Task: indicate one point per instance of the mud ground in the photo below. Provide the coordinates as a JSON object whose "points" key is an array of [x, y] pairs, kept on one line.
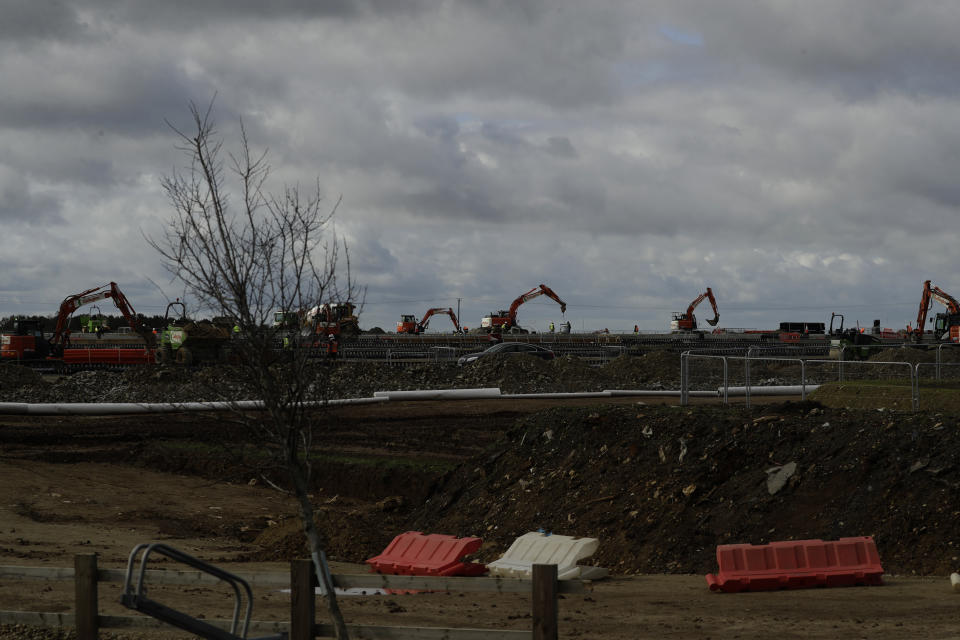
{"points": [[660, 486]]}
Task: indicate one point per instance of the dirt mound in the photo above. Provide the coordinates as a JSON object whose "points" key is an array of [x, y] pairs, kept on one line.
{"points": [[512, 374], [661, 487]]}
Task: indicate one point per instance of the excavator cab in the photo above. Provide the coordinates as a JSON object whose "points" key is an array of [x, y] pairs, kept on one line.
{"points": [[407, 324], [26, 343]]}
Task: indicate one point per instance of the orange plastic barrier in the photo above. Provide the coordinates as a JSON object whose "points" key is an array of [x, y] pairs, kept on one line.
{"points": [[797, 564], [107, 356], [416, 554]]}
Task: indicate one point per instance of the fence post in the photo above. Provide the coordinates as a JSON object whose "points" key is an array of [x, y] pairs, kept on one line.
{"points": [[302, 600], [726, 382], [803, 379], [746, 376], [684, 373], [545, 614], [915, 386], [85, 588]]}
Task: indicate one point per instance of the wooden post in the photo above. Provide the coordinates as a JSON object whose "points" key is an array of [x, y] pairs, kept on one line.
{"points": [[545, 612], [85, 587], [302, 600]]}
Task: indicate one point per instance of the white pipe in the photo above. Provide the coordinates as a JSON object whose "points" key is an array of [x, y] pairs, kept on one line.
{"points": [[581, 394], [440, 394], [788, 390], [662, 393], [114, 408]]}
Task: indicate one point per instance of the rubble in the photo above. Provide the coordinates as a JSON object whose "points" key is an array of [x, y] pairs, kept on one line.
{"points": [[521, 374]]}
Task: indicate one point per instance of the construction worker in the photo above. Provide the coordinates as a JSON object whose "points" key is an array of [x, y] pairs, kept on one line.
{"points": [[331, 346], [551, 326], [636, 329]]}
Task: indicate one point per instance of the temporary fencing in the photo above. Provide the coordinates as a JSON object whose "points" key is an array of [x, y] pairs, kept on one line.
{"points": [[875, 384], [797, 564]]}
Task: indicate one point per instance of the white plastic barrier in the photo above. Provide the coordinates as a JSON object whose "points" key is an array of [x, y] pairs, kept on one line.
{"points": [[544, 548]]}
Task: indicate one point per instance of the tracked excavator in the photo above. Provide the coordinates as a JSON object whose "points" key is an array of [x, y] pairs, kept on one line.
{"points": [[29, 342], [335, 319], [187, 342], [506, 320], [409, 324], [946, 326], [686, 321]]}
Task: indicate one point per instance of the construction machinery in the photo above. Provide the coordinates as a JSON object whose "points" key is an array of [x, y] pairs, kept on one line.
{"points": [[853, 343], [946, 326], [186, 342], [29, 342], [506, 320], [334, 319], [409, 323], [26, 343], [686, 321]]}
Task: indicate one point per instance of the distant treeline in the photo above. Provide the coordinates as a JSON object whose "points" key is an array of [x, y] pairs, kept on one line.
{"points": [[78, 321]]}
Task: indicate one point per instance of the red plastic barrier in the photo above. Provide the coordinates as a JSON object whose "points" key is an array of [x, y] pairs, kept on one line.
{"points": [[107, 356], [797, 564], [416, 554]]}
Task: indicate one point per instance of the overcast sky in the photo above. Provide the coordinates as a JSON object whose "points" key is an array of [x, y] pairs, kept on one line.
{"points": [[799, 158]]}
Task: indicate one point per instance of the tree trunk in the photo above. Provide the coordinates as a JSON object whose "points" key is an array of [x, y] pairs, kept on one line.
{"points": [[316, 551]]}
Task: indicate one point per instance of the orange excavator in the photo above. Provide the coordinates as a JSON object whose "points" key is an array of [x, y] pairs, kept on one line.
{"points": [[504, 320], [945, 325], [686, 321], [409, 324], [30, 343]]}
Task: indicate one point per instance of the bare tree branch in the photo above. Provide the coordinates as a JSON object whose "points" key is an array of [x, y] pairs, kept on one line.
{"points": [[245, 257]]}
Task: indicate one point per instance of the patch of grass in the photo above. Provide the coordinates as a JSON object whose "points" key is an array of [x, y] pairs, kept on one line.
{"points": [[889, 394]]}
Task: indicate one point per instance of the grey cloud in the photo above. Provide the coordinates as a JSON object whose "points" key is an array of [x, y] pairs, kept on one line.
{"points": [[189, 15], [560, 146], [18, 203], [455, 201], [29, 20]]}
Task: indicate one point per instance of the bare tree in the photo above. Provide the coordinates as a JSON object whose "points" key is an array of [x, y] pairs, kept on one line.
{"points": [[245, 253]]}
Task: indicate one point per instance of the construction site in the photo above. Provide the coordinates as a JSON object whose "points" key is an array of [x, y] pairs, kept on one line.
{"points": [[71, 343], [663, 447]]}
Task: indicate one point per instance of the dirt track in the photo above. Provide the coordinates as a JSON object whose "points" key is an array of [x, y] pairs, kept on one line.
{"points": [[102, 485]]}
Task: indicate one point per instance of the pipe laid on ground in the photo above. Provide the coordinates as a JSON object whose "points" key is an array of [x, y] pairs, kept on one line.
{"points": [[665, 393], [786, 390], [440, 394], [117, 408], [546, 396]]}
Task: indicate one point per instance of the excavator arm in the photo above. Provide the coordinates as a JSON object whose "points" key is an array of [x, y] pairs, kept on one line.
{"points": [[931, 293], [708, 295], [542, 290], [74, 302], [425, 320]]}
